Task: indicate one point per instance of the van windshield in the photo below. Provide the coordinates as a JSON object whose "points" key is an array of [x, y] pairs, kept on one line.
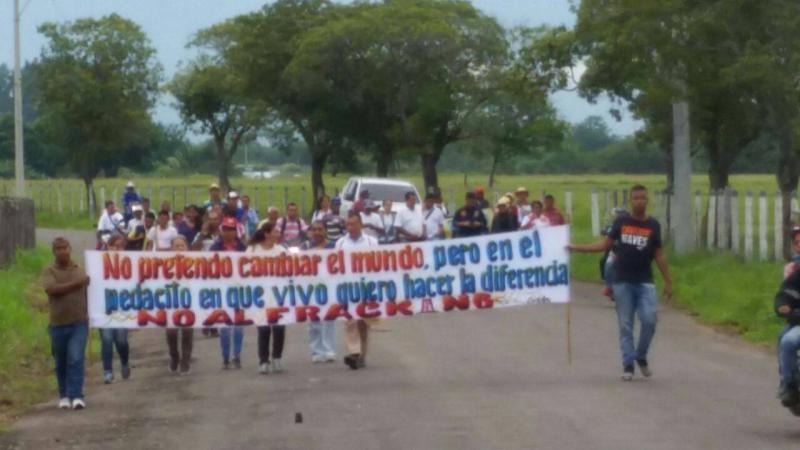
{"points": [[380, 192]]}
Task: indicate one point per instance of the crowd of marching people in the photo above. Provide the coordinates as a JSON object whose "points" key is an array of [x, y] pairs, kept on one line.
{"points": [[232, 224]]}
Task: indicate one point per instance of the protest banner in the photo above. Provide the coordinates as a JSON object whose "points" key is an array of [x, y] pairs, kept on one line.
{"points": [[208, 289]]}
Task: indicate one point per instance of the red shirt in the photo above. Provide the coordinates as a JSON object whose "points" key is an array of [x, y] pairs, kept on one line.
{"points": [[554, 216]]}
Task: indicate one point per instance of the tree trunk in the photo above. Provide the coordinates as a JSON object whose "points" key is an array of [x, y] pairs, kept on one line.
{"points": [[429, 174], [318, 160], [493, 170], [222, 164], [91, 199], [382, 165], [682, 159]]}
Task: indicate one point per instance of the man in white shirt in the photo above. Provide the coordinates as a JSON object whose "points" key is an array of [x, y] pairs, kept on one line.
{"points": [[409, 222], [434, 219], [136, 231], [371, 221], [356, 331], [160, 237], [111, 222]]}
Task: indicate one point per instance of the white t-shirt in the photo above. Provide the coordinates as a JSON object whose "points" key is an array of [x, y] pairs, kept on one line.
{"points": [[162, 239], [276, 250], [411, 221], [111, 223], [374, 220], [434, 219], [364, 241], [530, 222]]}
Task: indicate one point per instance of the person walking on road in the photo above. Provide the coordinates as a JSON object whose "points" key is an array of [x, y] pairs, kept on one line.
{"points": [[322, 334], [356, 330], [65, 284], [787, 306], [638, 238], [115, 337], [229, 242], [266, 243], [180, 341]]}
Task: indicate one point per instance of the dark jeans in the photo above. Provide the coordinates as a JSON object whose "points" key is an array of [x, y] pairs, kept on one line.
{"points": [[110, 338], [277, 344], [68, 344], [187, 342]]}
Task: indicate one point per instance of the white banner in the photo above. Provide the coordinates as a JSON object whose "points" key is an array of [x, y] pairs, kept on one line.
{"points": [[208, 289]]}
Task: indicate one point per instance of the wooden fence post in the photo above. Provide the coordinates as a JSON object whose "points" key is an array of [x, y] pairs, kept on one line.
{"points": [[734, 221], [616, 199], [763, 251], [723, 217], [748, 226], [605, 206], [698, 217], [568, 205], [711, 219], [625, 198], [595, 213], [778, 226], [60, 200], [452, 194], [103, 196]]}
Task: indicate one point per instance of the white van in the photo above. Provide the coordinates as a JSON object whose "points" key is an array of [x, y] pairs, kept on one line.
{"points": [[380, 189]]}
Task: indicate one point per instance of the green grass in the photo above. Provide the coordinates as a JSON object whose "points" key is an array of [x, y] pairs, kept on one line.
{"points": [[25, 376]]}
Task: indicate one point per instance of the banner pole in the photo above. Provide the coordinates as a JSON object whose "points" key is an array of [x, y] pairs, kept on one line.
{"points": [[569, 334]]}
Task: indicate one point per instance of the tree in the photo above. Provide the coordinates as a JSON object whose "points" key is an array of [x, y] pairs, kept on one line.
{"points": [[404, 74], [258, 47], [210, 96], [99, 78], [592, 134]]}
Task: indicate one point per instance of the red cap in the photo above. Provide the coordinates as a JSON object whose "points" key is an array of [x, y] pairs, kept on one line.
{"points": [[229, 222], [479, 190]]}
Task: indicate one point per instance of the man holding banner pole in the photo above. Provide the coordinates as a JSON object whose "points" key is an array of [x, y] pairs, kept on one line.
{"points": [[639, 244], [356, 331]]}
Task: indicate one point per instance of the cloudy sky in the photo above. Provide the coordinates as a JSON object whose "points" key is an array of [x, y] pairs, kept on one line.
{"points": [[170, 23]]}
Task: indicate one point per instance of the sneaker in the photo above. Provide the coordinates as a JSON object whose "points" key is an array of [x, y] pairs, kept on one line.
{"points": [[108, 377], [789, 395], [608, 292], [126, 372], [627, 373], [237, 363], [185, 371], [78, 404], [184, 368], [277, 366], [263, 368], [351, 361], [226, 365], [362, 362], [317, 359], [173, 366], [330, 357], [644, 368], [64, 403]]}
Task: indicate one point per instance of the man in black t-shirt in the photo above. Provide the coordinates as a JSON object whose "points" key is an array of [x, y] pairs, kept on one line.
{"points": [[469, 221], [638, 244]]}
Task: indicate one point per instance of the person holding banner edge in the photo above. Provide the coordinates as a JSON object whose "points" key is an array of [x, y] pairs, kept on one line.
{"points": [[115, 337], [65, 284], [638, 238], [322, 334]]}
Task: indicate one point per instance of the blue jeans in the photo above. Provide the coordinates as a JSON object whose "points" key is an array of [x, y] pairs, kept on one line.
{"points": [[635, 299], [225, 342], [68, 344], [787, 354], [322, 337], [110, 338]]}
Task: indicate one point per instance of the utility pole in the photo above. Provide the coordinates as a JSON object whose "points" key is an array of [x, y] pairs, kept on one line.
{"points": [[19, 165], [682, 160]]}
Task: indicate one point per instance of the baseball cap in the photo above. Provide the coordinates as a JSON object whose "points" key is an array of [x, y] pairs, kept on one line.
{"points": [[229, 222], [233, 194], [130, 184], [479, 190], [213, 186], [136, 207]]}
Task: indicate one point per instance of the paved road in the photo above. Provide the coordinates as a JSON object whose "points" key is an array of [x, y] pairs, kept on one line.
{"points": [[477, 380]]}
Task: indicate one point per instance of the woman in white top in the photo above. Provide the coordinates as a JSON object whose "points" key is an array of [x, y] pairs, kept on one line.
{"points": [[323, 209], [535, 219], [265, 241]]}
